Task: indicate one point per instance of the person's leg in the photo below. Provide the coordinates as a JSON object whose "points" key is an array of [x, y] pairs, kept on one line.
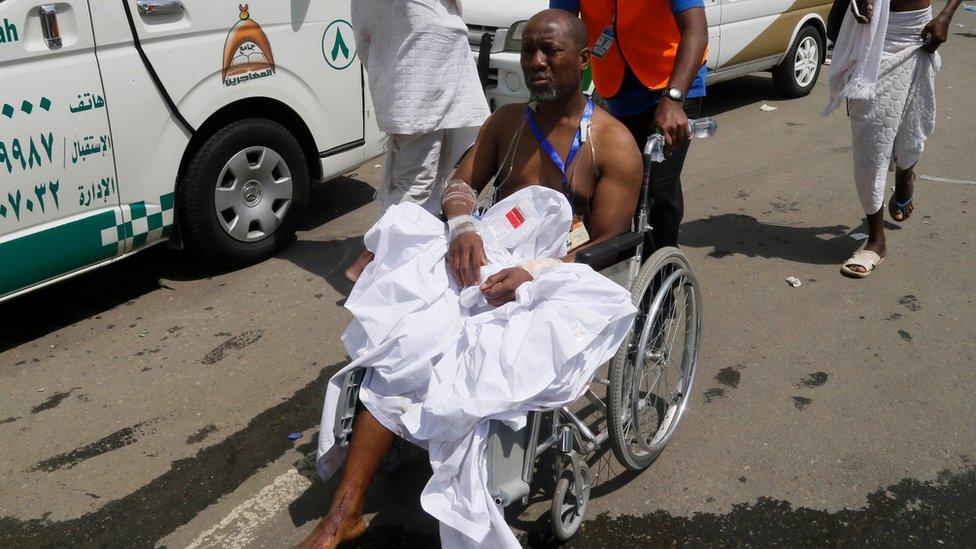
{"points": [[386, 194], [903, 199], [370, 443], [872, 137]]}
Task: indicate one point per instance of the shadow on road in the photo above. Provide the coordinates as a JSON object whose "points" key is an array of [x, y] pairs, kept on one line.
{"points": [[733, 94], [49, 309], [730, 234]]}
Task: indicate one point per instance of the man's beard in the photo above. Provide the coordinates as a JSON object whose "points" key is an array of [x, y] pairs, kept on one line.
{"points": [[550, 93]]}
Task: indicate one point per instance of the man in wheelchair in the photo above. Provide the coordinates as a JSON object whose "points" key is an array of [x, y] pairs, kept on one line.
{"points": [[486, 317]]}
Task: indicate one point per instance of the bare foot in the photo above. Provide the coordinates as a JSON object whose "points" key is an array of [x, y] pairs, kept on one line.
{"points": [[332, 530], [358, 266], [901, 204]]}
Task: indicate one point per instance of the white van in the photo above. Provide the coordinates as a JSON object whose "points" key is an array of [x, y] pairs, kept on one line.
{"points": [[744, 36], [127, 123]]}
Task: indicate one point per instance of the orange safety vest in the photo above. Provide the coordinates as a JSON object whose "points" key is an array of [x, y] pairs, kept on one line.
{"points": [[646, 40]]}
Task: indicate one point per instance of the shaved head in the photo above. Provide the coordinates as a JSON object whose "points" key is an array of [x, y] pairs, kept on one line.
{"points": [[554, 55], [568, 25]]}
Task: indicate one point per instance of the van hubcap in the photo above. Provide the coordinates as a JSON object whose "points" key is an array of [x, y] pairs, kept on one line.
{"points": [[253, 194], [806, 62]]}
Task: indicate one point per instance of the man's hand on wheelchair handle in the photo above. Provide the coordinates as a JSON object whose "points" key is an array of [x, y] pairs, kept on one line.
{"points": [[671, 119], [466, 256], [500, 287]]}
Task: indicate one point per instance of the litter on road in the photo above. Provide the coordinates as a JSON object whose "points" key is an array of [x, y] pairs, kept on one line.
{"points": [[295, 436], [793, 281], [859, 236], [767, 108]]}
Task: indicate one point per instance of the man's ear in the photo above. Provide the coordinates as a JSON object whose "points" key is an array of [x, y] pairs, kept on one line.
{"points": [[584, 58]]}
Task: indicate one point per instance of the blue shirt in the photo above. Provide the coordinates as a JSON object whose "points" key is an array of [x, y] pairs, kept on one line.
{"points": [[633, 97]]}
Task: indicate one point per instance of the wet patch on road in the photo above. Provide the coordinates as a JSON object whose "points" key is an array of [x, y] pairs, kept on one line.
{"points": [[713, 393], [53, 401], [191, 485], [234, 343], [801, 403], [911, 512], [728, 376], [910, 302], [905, 335], [8, 420], [895, 316], [814, 380], [118, 439], [202, 434]]}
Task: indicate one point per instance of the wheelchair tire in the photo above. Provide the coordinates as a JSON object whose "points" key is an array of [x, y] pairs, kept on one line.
{"points": [[653, 337], [567, 510]]}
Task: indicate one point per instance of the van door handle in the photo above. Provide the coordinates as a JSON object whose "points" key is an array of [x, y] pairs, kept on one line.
{"points": [[159, 7], [49, 25]]}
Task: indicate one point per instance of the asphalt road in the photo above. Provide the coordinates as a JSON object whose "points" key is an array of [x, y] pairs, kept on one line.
{"points": [[149, 403]]}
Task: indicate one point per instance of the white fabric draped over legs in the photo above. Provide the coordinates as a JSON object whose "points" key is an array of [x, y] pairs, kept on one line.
{"points": [[441, 362], [892, 126]]}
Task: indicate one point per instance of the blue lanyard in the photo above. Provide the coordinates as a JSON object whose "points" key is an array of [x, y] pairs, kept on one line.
{"points": [[573, 150]]}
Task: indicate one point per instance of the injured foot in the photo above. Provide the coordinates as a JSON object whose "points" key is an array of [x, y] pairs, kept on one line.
{"points": [[337, 527], [901, 204], [358, 266]]}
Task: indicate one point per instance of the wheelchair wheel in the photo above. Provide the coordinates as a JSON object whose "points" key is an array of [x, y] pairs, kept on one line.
{"points": [[569, 505], [652, 374]]}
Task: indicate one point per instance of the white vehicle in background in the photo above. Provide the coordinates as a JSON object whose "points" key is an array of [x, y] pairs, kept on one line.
{"points": [[786, 37], [126, 123]]}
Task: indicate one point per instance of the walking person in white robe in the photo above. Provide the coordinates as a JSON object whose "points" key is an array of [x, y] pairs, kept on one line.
{"points": [[426, 95], [478, 319], [884, 65]]}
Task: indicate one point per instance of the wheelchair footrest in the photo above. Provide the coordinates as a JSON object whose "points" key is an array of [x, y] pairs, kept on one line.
{"points": [[348, 403], [506, 454]]}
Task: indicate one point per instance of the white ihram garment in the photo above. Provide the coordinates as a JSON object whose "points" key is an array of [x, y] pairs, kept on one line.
{"points": [[422, 77], [442, 362], [893, 125]]}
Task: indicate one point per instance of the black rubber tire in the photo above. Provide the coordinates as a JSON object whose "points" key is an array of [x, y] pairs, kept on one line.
{"points": [[784, 77], [616, 390], [202, 232]]}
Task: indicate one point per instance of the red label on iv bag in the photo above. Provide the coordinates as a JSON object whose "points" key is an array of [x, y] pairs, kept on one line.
{"points": [[515, 218]]}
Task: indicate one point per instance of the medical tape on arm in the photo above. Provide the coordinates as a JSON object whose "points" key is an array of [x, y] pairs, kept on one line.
{"points": [[459, 193], [535, 266], [461, 224]]}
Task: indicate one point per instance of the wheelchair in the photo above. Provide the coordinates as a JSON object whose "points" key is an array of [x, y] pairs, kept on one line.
{"points": [[648, 382]]}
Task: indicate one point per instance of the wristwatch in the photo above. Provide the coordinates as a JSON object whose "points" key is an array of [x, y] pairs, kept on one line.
{"points": [[674, 94]]}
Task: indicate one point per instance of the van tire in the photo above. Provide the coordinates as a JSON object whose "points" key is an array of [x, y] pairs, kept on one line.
{"points": [[785, 76], [203, 231]]}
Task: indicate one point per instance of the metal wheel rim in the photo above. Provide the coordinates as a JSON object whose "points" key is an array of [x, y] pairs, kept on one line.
{"points": [[806, 61], [646, 443], [571, 508], [253, 193]]}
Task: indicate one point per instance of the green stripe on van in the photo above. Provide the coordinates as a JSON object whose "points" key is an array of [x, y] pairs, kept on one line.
{"points": [[54, 252]]}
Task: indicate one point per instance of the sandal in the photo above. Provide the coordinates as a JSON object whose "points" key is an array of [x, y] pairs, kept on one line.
{"points": [[866, 259], [901, 208]]}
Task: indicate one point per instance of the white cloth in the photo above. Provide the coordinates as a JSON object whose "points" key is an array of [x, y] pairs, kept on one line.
{"points": [[442, 362], [893, 125], [422, 76], [418, 166], [857, 56]]}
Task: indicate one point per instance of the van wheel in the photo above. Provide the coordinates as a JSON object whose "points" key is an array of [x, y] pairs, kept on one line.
{"points": [[797, 74], [243, 192]]}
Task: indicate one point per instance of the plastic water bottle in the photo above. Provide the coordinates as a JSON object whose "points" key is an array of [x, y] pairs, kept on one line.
{"points": [[701, 128]]}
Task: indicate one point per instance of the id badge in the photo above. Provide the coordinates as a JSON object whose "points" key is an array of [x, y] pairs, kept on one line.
{"points": [[578, 235], [603, 43]]}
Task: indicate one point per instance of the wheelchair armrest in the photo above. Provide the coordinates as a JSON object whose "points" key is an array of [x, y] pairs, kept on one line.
{"points": [[607, 253]]}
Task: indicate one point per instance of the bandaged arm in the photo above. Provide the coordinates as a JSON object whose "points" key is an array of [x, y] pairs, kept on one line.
{"points": [[458, 205]]}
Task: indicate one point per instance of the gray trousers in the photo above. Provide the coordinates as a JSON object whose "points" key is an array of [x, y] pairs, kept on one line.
{"points": [[418, 165]]}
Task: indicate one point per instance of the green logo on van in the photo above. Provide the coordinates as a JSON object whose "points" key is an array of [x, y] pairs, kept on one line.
{"points": [[339, 44], [8, 32]]}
